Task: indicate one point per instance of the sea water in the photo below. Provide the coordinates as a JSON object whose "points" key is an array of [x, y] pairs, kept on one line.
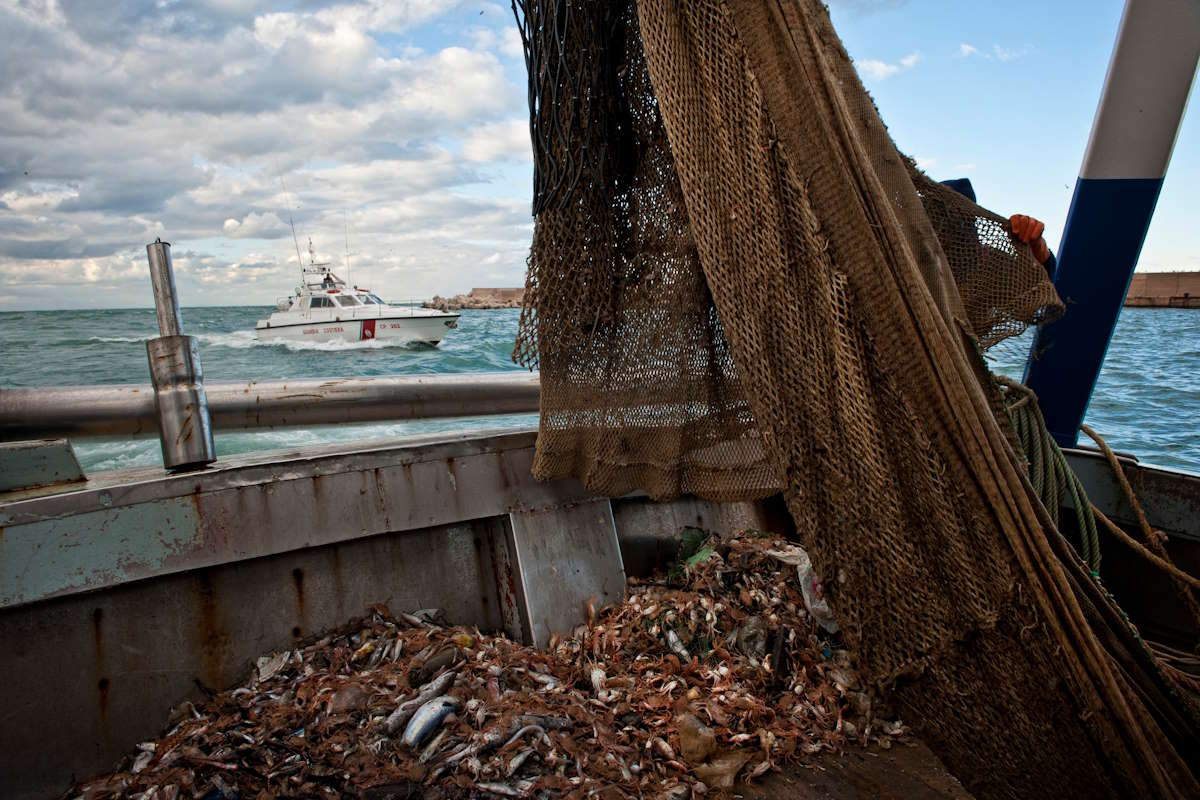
{"points": [[1147, 402]]}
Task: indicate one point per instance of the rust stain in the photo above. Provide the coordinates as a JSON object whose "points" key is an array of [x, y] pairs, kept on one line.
{"points": [[481, 570], [102, 684], [298, 582], [102, 687], [338, 589], [211, 638], [381, 495]]}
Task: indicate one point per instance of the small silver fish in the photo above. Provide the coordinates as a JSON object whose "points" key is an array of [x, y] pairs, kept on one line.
{"points": [[517, 760], [521, 789], [428, 719]]}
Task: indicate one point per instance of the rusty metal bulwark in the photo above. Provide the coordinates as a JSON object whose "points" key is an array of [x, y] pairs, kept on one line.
{"points": [[149, 586]]}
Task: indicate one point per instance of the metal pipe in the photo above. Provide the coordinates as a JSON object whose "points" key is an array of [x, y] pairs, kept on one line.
{"points": [[162, 279], [124, 410], [184, 426]]}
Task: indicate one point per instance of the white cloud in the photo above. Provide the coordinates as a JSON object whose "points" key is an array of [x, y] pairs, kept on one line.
{"points": [[875, 69], [256, 225], [1011, 54], [925, 164], [497, 141], [998, 53], [967, 167], [115, 129]]}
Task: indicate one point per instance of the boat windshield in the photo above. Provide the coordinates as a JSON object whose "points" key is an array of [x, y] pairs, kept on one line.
{"points": [[347, 300], [369, 299], [375, 299], [320, 302]]}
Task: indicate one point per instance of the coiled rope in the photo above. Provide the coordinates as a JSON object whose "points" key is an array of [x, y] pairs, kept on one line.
{"points": [[1053, 479], [1051, 476]]}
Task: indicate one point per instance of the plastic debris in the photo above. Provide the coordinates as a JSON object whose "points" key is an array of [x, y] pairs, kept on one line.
{"points": [[710, 675], [810, 584]]}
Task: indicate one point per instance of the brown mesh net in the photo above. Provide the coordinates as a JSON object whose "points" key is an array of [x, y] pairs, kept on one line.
{"points": [[739, 286], [1003, 289]]}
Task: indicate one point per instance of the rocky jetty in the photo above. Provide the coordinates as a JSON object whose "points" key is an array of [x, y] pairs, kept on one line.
{"points": [[479, 298]]}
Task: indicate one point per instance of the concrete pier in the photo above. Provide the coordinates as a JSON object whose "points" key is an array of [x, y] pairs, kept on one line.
{"points": [[1164, 290]]}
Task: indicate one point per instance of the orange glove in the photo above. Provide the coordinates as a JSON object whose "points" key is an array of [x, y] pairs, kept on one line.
{"points": [[1029, 230]]}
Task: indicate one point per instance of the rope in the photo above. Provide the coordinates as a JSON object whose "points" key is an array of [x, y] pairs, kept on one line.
{"points": [[1155, 540], [1139, 548], [1051, 476]]}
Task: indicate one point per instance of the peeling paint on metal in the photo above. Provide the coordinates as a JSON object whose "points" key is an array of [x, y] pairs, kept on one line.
{"points": [[43, 559]]}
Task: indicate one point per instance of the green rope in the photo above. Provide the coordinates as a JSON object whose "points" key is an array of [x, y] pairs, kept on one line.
{"points": [[1051, 476]]}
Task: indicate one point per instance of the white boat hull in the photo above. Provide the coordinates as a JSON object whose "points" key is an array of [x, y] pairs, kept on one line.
{"points": [[415, 329]]}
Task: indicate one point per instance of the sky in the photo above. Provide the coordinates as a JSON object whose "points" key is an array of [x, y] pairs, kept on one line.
{"points": [[393, 133]]}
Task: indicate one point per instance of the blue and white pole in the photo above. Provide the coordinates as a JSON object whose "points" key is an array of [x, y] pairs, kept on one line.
{"points": [[1145, 92]]}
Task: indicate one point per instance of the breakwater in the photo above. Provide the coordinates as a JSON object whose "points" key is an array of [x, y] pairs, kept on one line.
{"points": [[1164, 290]]}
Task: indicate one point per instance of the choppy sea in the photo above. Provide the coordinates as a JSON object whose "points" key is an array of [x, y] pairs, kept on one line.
{"points": [[1147, 402]]}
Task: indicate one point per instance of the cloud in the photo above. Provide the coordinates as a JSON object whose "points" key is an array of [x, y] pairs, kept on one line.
{"points": [[925, 164], [256, 225], [967, 167], [399, 120], [1011, 54], [998, 53], [879, 70], [495, 141]]}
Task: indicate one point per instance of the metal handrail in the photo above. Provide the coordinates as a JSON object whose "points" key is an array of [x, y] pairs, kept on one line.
{"points": [[123, 410]]}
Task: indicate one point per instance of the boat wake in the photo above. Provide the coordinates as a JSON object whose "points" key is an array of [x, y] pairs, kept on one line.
{"points": [[119, 339], [245, 340]]}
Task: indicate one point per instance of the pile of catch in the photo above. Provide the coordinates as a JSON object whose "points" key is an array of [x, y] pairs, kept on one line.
{"points": [[715, 673]]}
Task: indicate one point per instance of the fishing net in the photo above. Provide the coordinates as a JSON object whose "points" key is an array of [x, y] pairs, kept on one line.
{"points": [[737, 286]]}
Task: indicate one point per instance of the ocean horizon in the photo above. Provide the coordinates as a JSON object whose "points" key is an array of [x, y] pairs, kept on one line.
{"points": [[1146, 402]]}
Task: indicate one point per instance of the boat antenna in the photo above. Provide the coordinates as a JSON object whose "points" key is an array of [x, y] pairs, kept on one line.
{"points": [[346, 223], [295, 241]]}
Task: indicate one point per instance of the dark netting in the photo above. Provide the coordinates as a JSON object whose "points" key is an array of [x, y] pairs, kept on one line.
{"points": [[1003, 288], [643, 388], [737, 286]]}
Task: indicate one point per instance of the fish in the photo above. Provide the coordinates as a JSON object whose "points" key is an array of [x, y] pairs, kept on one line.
{"points": [[521, 789], [397, 719], [428, 719]]}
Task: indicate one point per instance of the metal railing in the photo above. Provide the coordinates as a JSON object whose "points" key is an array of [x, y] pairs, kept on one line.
{"points": [[122, 410], [183, 410]]}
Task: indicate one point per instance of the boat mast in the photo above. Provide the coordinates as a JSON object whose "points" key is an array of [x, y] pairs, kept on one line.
{"points": [[346, 224], [295, 241]]}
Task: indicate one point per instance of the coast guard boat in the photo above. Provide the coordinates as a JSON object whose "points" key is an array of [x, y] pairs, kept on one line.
{"points": [[325, 309]]}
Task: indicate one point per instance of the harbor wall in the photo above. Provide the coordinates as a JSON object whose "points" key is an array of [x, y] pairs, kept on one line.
{"points": [[1164, 290]]}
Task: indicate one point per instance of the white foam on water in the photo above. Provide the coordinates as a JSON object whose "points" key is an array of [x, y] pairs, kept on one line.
{"points": [[245, 340], [119, 339]]}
